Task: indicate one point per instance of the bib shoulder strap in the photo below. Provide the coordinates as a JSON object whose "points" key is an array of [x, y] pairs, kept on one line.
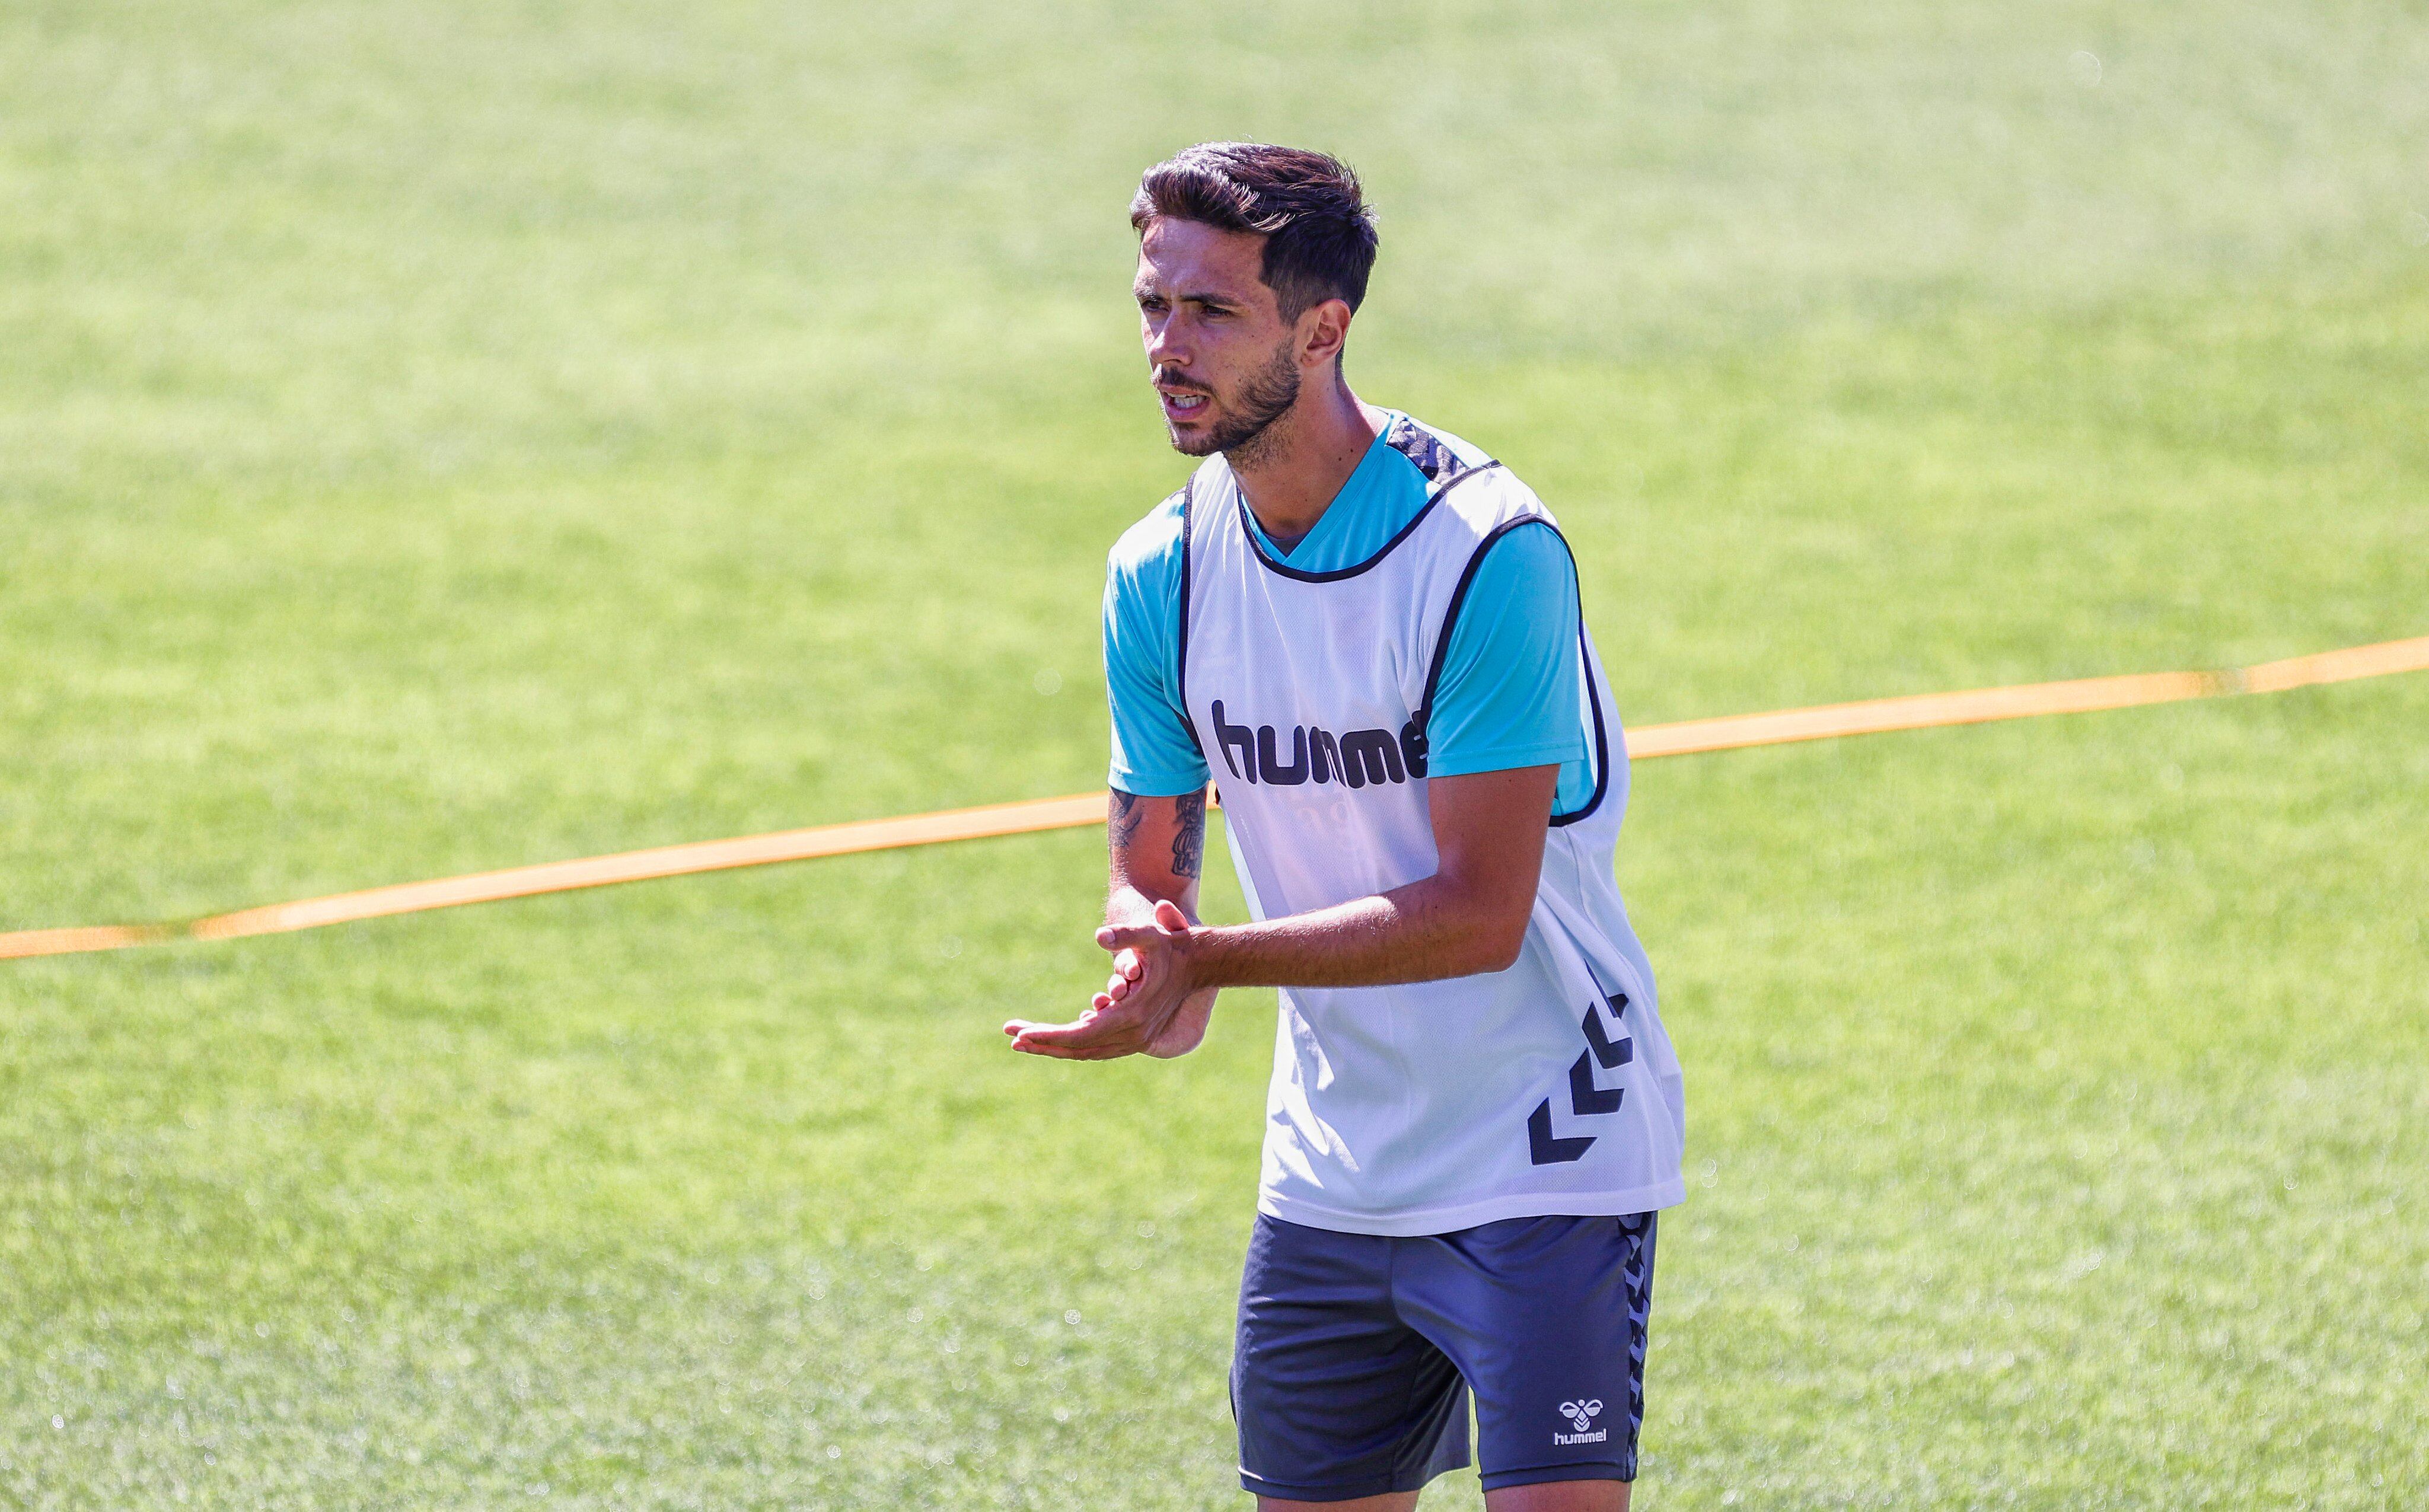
{"points": [[1180, 611], [1599, 753], [1440, 464]]}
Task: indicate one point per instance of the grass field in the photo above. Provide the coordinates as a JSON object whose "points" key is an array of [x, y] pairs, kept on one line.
{"points": [[444, 436]]}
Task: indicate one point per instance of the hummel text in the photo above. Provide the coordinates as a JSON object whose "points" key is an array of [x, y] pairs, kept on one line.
{"points": [[1317, 755]]}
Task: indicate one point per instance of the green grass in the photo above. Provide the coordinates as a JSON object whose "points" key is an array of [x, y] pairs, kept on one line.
{"points": [[437, 438]]}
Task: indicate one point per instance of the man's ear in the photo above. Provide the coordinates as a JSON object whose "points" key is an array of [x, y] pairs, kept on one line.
{"points": [[1324, 329]]}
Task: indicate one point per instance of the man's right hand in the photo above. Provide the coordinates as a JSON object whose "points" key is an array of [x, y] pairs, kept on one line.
{"points": [[1156, 846], [1148, 1006], [1184, 1031]]}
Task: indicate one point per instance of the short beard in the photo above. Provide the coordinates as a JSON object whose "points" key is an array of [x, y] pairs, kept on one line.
{"points": [[1242, 435]]}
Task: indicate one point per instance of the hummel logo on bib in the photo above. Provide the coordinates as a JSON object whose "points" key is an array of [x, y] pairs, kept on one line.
{"points": [[1353, 760]]}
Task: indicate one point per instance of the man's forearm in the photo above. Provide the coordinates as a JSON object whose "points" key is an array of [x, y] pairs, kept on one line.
{"points": [[1424, 931], [1157, 848], [1126, 902]]}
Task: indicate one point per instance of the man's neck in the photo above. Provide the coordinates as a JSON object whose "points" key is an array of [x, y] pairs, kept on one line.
{"points": [[1298, 467]]}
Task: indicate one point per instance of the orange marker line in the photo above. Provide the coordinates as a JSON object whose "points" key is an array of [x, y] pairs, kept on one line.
{"points": [[2381, 660], [1733, 731], [83, 938], [665, 861], [1923, 711]]}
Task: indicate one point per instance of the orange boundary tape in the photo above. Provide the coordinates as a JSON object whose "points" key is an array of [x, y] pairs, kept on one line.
{"points": [[1731, 732]]}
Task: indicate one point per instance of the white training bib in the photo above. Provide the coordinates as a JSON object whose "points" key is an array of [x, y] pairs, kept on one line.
{"points": [[1549, 1087]]}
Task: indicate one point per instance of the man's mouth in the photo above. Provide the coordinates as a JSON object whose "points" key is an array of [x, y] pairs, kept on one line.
{"points": [[1181, 404]]}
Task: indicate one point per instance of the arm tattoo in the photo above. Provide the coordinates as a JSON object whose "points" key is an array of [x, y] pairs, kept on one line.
{"points": [[1123, 821], [1189, 840]]}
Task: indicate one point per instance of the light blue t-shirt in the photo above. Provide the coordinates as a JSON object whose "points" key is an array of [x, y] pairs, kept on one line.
{"points": [[1509, 695]]}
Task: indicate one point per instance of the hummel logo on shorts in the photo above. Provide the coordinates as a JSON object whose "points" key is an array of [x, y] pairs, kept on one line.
{"points": [[1581, 1414]]}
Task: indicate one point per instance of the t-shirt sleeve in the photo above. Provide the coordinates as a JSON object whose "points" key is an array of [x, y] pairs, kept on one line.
{"points": [[1510, 693], [1154, 753]]}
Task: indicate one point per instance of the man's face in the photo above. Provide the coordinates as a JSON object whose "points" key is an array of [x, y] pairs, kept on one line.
{"points": [[1221, 356]]}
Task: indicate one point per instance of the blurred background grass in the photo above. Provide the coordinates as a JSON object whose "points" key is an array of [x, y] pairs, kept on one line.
{"points": [[437, 437]]}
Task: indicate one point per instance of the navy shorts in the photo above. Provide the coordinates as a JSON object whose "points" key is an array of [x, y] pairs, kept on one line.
{"points": [[1356, 1352]]}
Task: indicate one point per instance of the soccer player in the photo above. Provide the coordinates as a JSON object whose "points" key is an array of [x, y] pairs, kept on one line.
{"points": [[1367, 632]]}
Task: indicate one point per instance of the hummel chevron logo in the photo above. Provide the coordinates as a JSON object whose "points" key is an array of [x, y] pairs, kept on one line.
{"points": [[1544, 1150], [1609, 1056], [1586, 1099]]}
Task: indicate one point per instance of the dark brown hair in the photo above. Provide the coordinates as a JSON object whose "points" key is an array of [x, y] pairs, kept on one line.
{"points": [[1319, 235]]}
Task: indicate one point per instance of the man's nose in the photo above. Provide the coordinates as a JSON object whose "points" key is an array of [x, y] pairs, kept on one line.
{"points": [[1167, 345]]}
